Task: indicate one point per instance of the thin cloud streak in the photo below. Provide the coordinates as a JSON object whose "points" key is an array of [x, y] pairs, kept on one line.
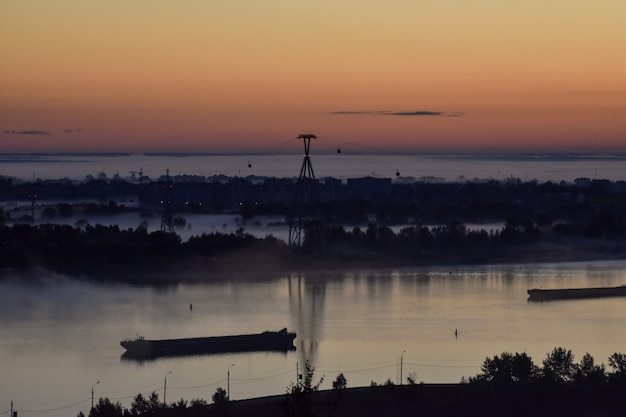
{"points": [[26, 132], [400, 113]]}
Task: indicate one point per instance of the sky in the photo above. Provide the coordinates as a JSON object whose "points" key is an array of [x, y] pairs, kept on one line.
{"points": [[425, 76]]}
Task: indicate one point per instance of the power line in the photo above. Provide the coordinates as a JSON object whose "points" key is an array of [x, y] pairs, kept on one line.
{"points": [[377, 156], [146, 393], [439, 366], [249, 160], [46, 403], [290, 372], [365, 369], [199, 386], [142, 387], [54, 409]]}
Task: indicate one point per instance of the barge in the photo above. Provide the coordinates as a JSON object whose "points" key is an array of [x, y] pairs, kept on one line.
{"points": [[536, 294], [141, 348]]}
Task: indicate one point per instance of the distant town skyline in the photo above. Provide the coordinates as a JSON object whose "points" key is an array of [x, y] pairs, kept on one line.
{"points": [[246, 76]]}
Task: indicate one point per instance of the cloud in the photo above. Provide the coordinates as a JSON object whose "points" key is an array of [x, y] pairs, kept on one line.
{"points": [[401, 113], [358, 112], [416, 113], [26, 132]]}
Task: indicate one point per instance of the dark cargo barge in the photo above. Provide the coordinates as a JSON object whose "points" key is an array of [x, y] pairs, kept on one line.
{"points": [[141, 348], [575, 293]]}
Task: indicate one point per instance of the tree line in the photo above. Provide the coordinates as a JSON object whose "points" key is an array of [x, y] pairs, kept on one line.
{"points": [[506, 371], [557, 367], [83, 247]]}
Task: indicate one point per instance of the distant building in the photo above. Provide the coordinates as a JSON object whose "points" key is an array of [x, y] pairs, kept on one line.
{"points": [[332, 190], [369, 188], [6, 189], [238, 192]]}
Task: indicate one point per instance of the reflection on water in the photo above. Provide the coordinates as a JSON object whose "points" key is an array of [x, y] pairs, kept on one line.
{"points": [[306, 305], [356, 322]]}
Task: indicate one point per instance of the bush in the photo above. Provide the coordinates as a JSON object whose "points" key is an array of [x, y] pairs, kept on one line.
{"points": [[340, 382]]}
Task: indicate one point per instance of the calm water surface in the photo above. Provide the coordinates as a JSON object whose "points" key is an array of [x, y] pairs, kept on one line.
{"points": [[60, 336], [345, 165]]}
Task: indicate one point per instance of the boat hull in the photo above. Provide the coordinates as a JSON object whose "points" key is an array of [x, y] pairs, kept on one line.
{"points": [[140, 348], [536, 294]]}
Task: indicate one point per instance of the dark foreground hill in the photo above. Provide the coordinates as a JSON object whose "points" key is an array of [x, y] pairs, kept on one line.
{"points": [[508, 385], [445, 400]]}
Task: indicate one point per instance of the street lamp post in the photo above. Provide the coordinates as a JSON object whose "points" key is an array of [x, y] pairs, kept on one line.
{"points": [[92, 393], [228, 382], [401, 360], [165, 386]]}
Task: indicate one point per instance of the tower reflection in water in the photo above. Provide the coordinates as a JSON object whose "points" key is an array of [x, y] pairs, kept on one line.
{"points": [[306, 304]]}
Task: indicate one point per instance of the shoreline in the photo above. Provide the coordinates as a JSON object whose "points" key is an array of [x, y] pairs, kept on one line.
{"points": [[230, 268]]}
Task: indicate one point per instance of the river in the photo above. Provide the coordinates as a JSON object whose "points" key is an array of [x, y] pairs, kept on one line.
{"points": [[60, 336]]}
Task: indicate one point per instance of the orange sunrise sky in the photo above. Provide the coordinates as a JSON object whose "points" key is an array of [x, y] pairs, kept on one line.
{"points": [[247, 75]]}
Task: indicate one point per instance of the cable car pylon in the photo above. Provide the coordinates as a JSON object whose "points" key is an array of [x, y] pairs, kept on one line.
{"points": [[305, 225]]}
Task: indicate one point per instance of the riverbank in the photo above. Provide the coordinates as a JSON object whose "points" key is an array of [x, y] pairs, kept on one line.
{"points": [[247, 265], [152, 264]]}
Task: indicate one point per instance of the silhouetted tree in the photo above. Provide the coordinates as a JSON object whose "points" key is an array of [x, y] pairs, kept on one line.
{"points": [[507, 368], [298, 402], [588, 372], [617, 362], [411, 379], [197, 403], [143, 406], [106, 408], [340, 382], [523, 369], [221, 404], [220, 396], [559, 366]]}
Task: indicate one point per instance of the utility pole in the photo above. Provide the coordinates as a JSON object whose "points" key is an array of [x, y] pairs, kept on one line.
{"points": [[92, 393], [401, 360], [165, 387], [228, 382]]}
